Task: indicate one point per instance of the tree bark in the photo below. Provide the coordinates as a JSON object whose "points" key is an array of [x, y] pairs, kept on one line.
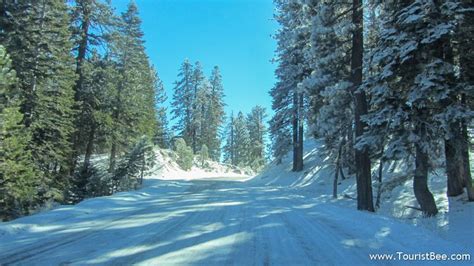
{"points": [[336, 172], [454, 163], [81, 56], [420, 180], [113, 154], [466, 62], [299, 154], [295, 132], [89, 147], [363, 172], [466, 169]]}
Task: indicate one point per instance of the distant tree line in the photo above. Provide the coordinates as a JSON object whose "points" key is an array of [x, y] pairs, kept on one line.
{"points": [[198, 111]]}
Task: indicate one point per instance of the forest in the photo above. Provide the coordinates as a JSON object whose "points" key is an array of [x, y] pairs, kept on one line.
{"points": [[76, 82], [236, 132], [379, 81]]}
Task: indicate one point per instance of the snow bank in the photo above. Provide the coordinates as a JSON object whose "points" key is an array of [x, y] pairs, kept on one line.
{"points": [[454, 221], [167, 169]]}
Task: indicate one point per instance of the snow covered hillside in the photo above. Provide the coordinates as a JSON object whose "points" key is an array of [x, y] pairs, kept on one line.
{"points": [[316, 181], [167, 168]]}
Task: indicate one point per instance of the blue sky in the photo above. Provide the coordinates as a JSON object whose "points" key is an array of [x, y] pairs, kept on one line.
{"points": [[233, 34]]}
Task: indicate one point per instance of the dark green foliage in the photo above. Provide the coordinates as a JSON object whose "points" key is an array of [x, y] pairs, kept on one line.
{"points": [[133, 101], [18, 175], [237, 148], [162, 135], [92, 23], [257, 132], [85, 86], [38, 38], [199, 108]]}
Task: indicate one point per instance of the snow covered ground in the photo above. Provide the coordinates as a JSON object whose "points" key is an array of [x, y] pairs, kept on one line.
{"points": [[454, 221], [167, 169], [277, 218], [210, 222]]}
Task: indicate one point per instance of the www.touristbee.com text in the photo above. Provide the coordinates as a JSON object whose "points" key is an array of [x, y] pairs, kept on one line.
{"points": [[427, 256]]}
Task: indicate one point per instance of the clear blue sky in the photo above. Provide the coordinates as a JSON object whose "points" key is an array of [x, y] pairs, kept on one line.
{"points": [[233, 34]]}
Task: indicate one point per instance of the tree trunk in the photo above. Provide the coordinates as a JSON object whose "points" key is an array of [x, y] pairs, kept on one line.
{"points": [[381, 165], [466, 169], [113, 154], [466, 62], [295, 132], [343, 177], [420, 180], [454, 163], [299, 154], [89, 147], [363, 173], [336, 173], [81, 55], [350, 154]]}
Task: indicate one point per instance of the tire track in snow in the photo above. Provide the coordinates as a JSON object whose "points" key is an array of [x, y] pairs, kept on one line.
{"points": [[30, 251], [169, 228]]}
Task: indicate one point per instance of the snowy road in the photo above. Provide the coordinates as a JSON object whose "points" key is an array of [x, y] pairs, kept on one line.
{"points": [[209, 222]]}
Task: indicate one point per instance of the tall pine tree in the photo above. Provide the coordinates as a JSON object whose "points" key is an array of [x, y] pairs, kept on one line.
{"points": [[38, 37]]}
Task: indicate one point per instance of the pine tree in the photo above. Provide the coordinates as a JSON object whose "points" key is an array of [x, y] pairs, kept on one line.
{"points": [[465, 37], [92, 22], [288, 94], [134, 113], [38, 38], [161, 137], [419, 108], [94, 116], [182, 102], [18, 174], [363, 164], [241, 141], [185, 154], [214, 117], [199, 98], [257, 131], [229, 148]]}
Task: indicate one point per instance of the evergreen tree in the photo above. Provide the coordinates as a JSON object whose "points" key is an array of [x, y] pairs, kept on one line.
{"points": [[288, 94], [229, 148], [214, 117], [182, 102], [94, 116], [92, 22], [161, 137], [18, 176], [37, 35], [241, 141], [134, 100], [257, 131], [185, 154], [199, 98], [422, 106]]}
